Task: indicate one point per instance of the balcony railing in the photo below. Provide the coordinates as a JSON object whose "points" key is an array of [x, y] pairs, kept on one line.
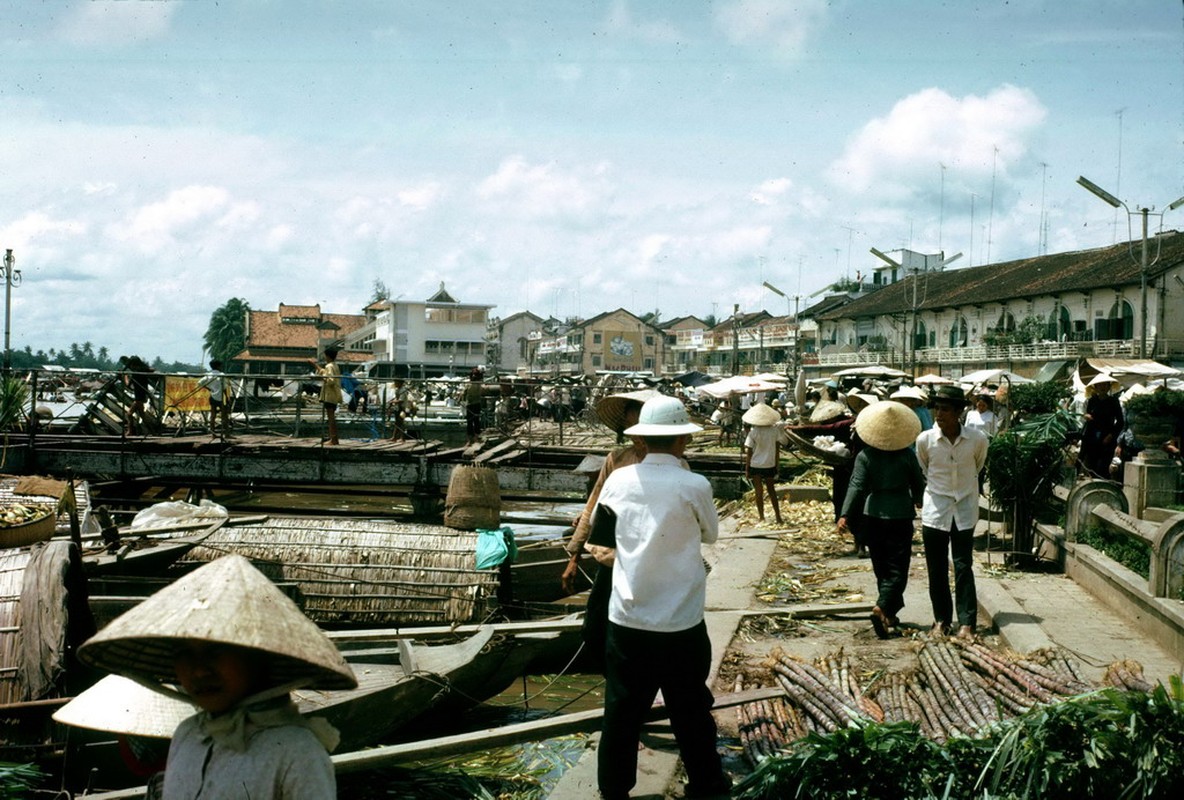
{"points": [[1039, 351]]}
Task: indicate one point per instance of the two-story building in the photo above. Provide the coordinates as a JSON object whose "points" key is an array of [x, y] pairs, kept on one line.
{"points": [[510, 341], [615, 341], [1019, 314], [422, 338]]}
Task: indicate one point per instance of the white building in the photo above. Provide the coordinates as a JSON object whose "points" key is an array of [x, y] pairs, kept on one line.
{"points": [[424, 338]]}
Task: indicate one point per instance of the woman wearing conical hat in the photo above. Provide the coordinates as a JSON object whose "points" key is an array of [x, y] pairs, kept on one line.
{"points": [[225, 638], [762, 452], [886, 487]]}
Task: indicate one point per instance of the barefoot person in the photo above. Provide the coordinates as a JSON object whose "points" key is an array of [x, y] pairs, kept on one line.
{"points": [[762, 454], [331, 395]]}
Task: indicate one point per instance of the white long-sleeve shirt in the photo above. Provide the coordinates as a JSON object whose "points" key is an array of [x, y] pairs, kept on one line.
{"points": [[664, 514], [951, 477]]}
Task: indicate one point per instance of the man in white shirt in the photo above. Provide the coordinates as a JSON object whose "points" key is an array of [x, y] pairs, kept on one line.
{"points": [[657, 639], [951, 456]]}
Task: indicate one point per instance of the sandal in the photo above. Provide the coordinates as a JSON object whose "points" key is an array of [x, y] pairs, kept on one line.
{"points": [[880, 623]]}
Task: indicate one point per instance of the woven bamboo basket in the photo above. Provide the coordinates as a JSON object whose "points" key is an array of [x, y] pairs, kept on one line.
{"points": [[27, 533]]}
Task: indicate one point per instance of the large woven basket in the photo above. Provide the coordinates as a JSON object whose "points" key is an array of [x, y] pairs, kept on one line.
{"points": [[37, 530], [806, 446]]}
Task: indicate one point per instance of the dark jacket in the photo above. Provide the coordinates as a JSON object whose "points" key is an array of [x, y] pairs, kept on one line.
{"points": [[885, 484]]}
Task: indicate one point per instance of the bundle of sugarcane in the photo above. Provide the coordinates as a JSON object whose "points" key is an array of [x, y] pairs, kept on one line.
{"points": [[1127, 674], [767, 726], [838, 668], [1018, 684], [961, 698], [826, 706], [894, 698]]}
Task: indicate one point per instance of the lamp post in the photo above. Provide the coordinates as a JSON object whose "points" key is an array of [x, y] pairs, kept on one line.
{"points": [[788, 357], [12, 277], [1144, 264]]}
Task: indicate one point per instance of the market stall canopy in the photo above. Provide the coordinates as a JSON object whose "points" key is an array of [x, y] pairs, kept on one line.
{"points": [[932, 380], [692, 378], [1124, 368], [979, 377], [871, 371], [741, 384], [771, 377]]}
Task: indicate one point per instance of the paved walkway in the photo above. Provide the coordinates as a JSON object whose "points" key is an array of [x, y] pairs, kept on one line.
{"points": [[1028, 611]]}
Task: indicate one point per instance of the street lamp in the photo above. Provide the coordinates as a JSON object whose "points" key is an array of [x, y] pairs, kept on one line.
{"points": [[12, 277], [796, 299], [1114, 202]]}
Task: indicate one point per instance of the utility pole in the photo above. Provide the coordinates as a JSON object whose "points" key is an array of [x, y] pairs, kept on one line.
{"points": [[12, 277]]}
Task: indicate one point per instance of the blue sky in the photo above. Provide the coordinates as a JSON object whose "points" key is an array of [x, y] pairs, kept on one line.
{"points": [[159, 157]]}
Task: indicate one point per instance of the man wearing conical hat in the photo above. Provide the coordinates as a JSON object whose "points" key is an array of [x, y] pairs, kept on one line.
{"points": [[225, 638], [1103, 422]]}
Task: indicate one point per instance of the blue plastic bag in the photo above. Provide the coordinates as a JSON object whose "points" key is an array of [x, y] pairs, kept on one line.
{"points": [[495, 546]]}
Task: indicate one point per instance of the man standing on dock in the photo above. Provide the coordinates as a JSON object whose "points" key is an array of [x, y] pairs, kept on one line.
{"points": [[331, 395], [657, 637]]}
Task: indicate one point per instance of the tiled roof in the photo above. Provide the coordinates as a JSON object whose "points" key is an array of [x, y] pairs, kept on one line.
{"points": [[745, 320], [267, 328], [1079, 271]]}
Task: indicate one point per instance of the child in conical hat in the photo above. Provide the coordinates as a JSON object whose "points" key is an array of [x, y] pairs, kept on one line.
{"points": [[228, 640], [762, 455]]}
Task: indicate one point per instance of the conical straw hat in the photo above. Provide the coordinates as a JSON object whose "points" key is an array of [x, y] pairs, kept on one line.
{"points": [[761, 416], [120, 705], [827, 410], [888, 425], [611, 409], [226, 601]]}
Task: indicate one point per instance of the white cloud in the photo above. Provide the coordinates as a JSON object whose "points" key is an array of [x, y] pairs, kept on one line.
{"points": [[932, 127], [37, 228], [784, 25], [771, 190], [117, 22], [421, 197], [621, 20], [156, 225], [543, 190]]}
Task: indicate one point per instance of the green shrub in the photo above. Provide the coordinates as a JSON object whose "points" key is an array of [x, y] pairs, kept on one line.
{"points": [[1126, 550]]}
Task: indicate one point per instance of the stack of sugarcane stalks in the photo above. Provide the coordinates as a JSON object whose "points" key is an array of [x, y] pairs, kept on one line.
{"points": [[1017, 684], [767, 726], [1127, 674], [957, 689], [826, 692]]}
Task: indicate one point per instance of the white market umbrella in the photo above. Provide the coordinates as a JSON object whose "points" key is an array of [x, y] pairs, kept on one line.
{"points": [[932, 380], [741, 384]]}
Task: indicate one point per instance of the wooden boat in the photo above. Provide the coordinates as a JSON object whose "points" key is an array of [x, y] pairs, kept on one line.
{"points": [[364, 572], [536, 574]]}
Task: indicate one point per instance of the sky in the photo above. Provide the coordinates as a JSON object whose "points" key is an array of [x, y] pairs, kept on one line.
{"points": [[567, 157]]}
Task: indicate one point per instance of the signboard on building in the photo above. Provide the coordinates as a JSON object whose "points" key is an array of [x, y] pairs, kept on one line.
{"points": [[622, 350]]}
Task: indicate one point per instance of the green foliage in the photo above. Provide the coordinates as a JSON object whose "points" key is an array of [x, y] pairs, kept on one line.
{"points": [[1160, 404], [14, 399], [1027, 399], [1024, 464], [17, 781], [1110, 743], [1132, 553], [226, 335], [379, 293]]}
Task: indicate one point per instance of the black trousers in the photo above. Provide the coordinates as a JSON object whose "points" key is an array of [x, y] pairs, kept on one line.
{"points": [[890, 543], [638, 664], [939, 546]]}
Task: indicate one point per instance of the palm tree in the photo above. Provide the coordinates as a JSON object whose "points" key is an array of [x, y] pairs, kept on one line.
{"points": [[226, 335]]}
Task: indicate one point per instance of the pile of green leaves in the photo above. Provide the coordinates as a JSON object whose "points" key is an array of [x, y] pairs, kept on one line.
{"points": [[1160, 404], [1109, 743], [18, 781]]}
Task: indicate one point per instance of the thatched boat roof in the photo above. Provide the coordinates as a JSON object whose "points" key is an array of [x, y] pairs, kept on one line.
{"points": [[364, 571]]}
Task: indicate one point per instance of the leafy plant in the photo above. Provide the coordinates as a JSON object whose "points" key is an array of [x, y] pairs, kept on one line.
{"points": [[1028, 399], [1024, 464], [1160, 404], [1131, 553], [1109, 743], [14, 397]]}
